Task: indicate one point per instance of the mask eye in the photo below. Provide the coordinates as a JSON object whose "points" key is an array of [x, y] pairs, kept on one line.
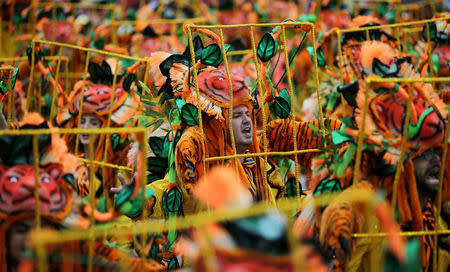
{"points": [[46, 180], [13, 179], [101, 92], [221, 79]]}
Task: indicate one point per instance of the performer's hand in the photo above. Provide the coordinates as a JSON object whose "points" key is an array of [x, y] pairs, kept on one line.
{"points": [[123, 183]]}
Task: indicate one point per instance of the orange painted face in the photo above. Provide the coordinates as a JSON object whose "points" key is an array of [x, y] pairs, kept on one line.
{"points": [[97, 98], [214, 84], [332, 19], [58, 31], [17, 189], [390, 110], [151, 45]]}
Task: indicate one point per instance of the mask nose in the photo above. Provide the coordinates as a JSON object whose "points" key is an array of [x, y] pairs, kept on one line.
{"points": [[238, 83], [28, 185]]}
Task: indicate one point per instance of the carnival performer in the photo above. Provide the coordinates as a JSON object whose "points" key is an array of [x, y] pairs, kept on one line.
{"points": [[100, 107]]}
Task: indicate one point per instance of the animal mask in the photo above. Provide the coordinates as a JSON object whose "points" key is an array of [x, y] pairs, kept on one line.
{"points": [[17, 189]]}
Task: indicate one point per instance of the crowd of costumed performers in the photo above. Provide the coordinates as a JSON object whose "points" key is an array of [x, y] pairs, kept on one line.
{"points": [[307, 137]]}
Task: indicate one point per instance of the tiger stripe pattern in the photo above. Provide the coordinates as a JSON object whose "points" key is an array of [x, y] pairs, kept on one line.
{"points": [[280, 137]]}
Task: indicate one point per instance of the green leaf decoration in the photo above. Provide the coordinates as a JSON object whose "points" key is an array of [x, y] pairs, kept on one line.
{"points": [[348, 122], [198, 47], [145, 98], [158, 123], [189, 114], [291, 188], [180, 103], [433, 31], [333, 100], [414, 130], [152, 113], [281, 106], [146, 89], [8, 81], [166, 146], [141, 117], [313, 127], [173, 263], [115, 141], [435, 63], [307, 17], [346, 159], [266, 48], [340, 137], [157, 166], [212, 55], [285, 95], [159, 146], [126, 205], [154, 240], [349, 92], [328, 186], [124, 195], [227, 47], [154, 251], [177, 138], [128, 80], [70, 179], [321, 62], [38, 55], [172, 200]]}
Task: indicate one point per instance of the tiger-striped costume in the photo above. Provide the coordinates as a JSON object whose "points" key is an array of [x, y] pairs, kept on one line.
{"points": [[97, 101], [60, 206], [382, 138], [173, 75], [215, 139], [189, 152]]}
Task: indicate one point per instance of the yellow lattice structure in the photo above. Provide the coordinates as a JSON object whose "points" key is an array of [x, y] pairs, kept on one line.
{"points": [[409, 27], [251, 28], [139, 133], [67, 77], [180, 4], [417, 9], [25, 32], [41, 239], [156, 22]]}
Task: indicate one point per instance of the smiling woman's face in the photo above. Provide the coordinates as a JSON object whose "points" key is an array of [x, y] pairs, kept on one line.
{"points": [[89, 121], [242, 128]]}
